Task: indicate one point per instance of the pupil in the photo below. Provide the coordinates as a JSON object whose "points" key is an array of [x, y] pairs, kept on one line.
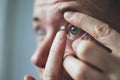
{"points": [[74, 30]]}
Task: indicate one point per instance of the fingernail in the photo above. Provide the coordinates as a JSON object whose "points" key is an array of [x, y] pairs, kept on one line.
{"points": [[68, 14], [61, 33]]}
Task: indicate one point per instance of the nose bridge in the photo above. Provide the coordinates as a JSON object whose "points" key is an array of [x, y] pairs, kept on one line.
{"points": [[52, 20]]}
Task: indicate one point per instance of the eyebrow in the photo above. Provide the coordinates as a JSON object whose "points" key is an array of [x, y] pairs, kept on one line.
{"points": [[36, 19], [68, 8], [62, 9]]}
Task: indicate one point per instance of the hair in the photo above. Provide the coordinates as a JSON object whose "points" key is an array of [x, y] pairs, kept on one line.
{"points": [[105, 10], [115, 3]]}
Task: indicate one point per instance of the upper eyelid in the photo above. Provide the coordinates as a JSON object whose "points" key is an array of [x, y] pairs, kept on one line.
{"points": [[68, 27]]}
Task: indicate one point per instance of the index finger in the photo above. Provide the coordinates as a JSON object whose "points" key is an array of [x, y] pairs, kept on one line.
{"points": [[96, 28], [53, 69]]}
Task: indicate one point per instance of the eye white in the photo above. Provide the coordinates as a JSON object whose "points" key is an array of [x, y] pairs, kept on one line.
{"points": [[41, 32]]}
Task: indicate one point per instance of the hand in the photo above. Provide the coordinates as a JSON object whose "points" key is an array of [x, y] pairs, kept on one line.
{"points": [[54, 66], [94, 62]]}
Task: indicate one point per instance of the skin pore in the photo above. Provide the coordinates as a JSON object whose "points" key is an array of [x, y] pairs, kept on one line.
{"points": [[48, 17]]}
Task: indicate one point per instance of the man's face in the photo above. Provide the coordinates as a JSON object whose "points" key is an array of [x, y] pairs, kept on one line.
{"points": [[48, 18]]}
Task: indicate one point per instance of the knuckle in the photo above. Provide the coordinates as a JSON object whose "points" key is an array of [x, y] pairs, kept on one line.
{"points": [[102, 31]]}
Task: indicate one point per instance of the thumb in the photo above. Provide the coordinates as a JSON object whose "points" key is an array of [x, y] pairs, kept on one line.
{"points": [[28, 77], [96, 28]]}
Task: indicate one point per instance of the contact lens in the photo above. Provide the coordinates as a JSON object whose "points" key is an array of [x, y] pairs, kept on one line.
{"points": [[74, 30], [62, 28]]}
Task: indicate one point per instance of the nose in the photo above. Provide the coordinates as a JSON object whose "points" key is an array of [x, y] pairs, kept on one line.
{"points": [[52, 19], [40, 56]]}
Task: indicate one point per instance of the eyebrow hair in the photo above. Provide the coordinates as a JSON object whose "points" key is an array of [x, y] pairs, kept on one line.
{"points": [[77, 8], [36, 19], [68, 8]]}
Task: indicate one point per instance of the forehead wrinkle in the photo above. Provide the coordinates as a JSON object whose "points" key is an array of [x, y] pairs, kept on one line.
{"points": [[48, 2], [44, 3]]}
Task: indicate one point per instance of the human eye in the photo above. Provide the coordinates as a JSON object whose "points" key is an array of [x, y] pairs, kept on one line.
{"points": [[41, 32], [74, 32]]}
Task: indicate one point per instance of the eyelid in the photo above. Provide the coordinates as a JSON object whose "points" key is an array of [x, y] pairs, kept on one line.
{"points": [[68, 28]]}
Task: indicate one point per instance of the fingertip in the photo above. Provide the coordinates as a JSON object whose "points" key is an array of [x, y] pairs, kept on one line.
{"points": [[29, 77], [68, 15], [60, 36]]}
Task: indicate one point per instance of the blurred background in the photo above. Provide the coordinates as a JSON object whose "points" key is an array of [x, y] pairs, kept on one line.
{"points": [[17, 39]]}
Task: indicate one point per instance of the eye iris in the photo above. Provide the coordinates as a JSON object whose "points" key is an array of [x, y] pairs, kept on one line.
{"points": [[40, 32], [74, 30]]}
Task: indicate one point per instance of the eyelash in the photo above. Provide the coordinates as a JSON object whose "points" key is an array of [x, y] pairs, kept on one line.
{"points": [[41, 32]]}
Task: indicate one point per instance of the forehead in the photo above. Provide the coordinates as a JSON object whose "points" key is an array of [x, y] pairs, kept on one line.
{"points": [[51, 7], [47, 1], [48, 12], [52, 10]]}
